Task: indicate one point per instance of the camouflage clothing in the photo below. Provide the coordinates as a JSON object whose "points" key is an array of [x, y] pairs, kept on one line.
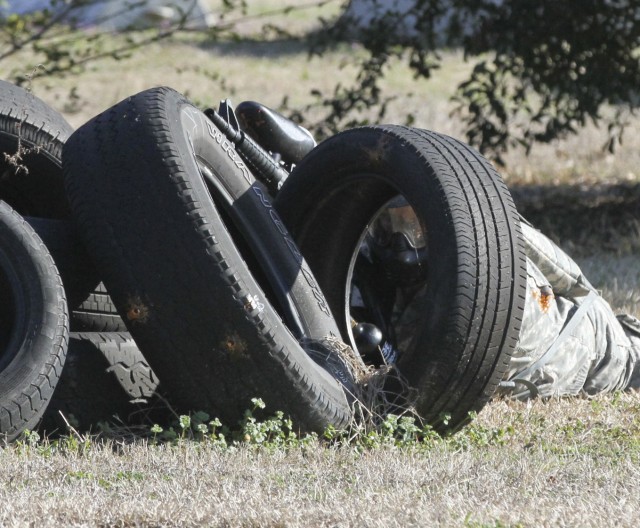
{"points": [[570, 341]]}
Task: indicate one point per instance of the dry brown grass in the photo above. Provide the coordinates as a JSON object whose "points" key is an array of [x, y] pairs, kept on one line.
{"points": [[571, 462]]}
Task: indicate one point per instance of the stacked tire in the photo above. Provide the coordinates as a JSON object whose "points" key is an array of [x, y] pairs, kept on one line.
{"points": [[34, 321], [105, 380], [35, 325]]}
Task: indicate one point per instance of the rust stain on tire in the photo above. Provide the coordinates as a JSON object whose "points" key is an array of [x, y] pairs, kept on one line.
{"points": [[137, 311], [235, 346]]}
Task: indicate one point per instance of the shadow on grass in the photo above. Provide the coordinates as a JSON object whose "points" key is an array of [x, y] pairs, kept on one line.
{"points": [[592, 218]]}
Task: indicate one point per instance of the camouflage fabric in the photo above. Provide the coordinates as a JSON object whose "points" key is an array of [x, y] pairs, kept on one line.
{"points": [[570, 342]]}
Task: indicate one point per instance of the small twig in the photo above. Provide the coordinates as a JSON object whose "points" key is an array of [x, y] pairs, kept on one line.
{"points": [[70, 427]]}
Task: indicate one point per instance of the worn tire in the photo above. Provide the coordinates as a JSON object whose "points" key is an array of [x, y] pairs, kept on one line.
{"points": [[173, 270], [476, 267], [34, 325], [29, 123], [97, 313]]}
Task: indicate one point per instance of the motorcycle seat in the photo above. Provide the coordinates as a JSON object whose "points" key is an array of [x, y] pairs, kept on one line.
{"points": [[274, 132]]}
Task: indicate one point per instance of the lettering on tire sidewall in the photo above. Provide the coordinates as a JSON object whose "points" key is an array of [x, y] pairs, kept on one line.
{"points": [[196, 124]]}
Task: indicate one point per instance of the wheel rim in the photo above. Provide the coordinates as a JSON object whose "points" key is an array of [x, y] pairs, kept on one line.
{"points": [[374, 293]]}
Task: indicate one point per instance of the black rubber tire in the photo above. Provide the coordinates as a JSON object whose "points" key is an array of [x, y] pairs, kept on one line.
{"points": [[34, 325], [172, 269], [76, 268], [126, 362], [476, 272], [97, 313], [28, 122], [105, 377], [92, 310]]}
